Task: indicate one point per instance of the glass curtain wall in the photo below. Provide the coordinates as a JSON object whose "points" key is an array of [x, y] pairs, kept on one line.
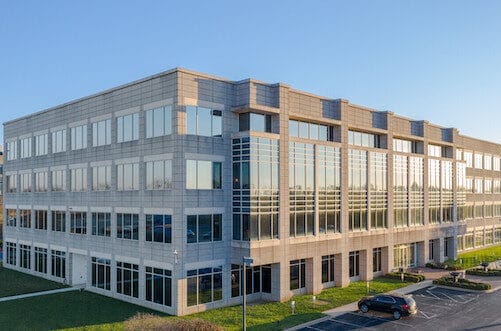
{"points": [[357, 190], [378, 190], [329, 188]]}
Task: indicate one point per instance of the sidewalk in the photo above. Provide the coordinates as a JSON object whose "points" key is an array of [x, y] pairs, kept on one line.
{"points": [[36, 294], [354, 305]]}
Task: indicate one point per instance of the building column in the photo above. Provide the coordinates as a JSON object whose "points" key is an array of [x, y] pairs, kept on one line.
{"points": [[314, 275], [280, 281], [387, 259], [422, 257], [439, 250], [341, 269], [366, 265]]}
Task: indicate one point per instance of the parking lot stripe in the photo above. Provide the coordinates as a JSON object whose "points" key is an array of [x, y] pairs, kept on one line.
{"points": [[352, 324], [430, 293], [384, 319], [448, 296]]}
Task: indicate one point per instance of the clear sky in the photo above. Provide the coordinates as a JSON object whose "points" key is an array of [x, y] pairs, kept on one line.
{"points": [[435, 60]]}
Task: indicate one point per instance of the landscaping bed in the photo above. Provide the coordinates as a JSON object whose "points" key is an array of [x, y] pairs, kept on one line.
{"points": [[462, 283], [408, 277], [482, 272]]}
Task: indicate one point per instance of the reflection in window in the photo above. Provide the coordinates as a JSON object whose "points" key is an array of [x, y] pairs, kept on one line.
{"points": [[254, 122], [128, 226], [101, 224], [310, 130], [128, 128], [204, 285], [204, 228], [128, 177], [78, 179], [159, 175], [297, 274], [101, 273], [159, 228], [159, 286], [363, 139], [79, 137], [101, 178], [203, 121], [159, 122], [59, 141], [101, 133], [128, 279], [203, 175]]}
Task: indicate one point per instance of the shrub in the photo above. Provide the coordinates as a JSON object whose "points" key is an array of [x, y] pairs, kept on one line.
{"points": [[408, 277], [482, 272], [149, 322], [462, 283]]}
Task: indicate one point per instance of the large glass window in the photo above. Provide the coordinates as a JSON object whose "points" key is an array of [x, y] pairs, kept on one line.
{"points": [[78, 222], [400, 190], [378, 190], [434, 190], [310, 130], [297, 274], [128, 226], [254, 122], [25, 147], [128, 279], [329, 189], [203, 121], [159, 175], [10, 256], [204, 228], [11, 217], [58, 259], [25, 182], [25, 218], [468, 158], [128, 128], [58, 180], [101, 178], [41, 219], [159, 228], [301, 189], [478, 160], [405, 146], [11, 150], [78, 137], [363, 139], [11, 181], [159, 122], [59, 221], [101, 133], [357, 190], [405, 256], [59, 141], [78, 179], [25, 256], [258, 279], [41, 260], [487, 162], [377, 259], [128, 177], [101, 224], [327, 268], [101, 273], [203, 175], [496, 163], [204, 285], [354, 264], [159, 286], [41, 184], [41, 144], [434, 150]]}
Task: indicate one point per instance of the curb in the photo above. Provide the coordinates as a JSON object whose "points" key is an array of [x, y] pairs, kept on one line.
{"points": [[467, 289], [334, 312]]}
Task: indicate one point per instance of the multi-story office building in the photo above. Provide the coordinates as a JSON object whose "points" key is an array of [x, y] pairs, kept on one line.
{"points": [[152, 192]]}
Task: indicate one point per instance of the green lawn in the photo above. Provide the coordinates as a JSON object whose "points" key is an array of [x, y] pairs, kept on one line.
{"points": [[474, 258], [14, 282], [88, 311]]}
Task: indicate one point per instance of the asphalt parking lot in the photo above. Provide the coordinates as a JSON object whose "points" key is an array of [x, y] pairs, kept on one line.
{"points": [[438, 308]]}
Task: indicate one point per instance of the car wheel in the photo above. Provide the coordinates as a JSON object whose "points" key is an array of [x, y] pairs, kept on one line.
{"points": [[364, 308], [397, 315]]}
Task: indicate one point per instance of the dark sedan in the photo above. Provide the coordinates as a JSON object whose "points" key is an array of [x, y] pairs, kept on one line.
{"points": [[398, 305]]}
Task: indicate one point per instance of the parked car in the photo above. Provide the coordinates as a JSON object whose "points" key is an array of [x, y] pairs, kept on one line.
{"points": [[398, 305]]}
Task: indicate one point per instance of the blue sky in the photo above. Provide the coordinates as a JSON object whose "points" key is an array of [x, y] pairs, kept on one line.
{"points": [[435, 60]]}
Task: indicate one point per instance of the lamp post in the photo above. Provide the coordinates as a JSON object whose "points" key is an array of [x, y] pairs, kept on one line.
{"points": [[247, 261]]}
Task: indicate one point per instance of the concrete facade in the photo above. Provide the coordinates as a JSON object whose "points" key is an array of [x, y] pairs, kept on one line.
{"points": [[180, 89]]}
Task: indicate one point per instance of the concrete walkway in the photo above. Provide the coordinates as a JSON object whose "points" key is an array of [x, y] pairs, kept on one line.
{"points": [[36, 294]]}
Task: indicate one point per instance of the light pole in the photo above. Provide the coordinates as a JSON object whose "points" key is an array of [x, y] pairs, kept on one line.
{"points": [[247, 261]]}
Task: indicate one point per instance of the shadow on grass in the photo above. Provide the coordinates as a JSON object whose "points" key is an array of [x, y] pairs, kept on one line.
{"points": [[287, 322]]}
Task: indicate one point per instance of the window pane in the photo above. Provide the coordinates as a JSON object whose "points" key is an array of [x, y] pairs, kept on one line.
{"points": [[191, 120], [191, 174], [204, 175], [204, 228], [204, 122]]}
